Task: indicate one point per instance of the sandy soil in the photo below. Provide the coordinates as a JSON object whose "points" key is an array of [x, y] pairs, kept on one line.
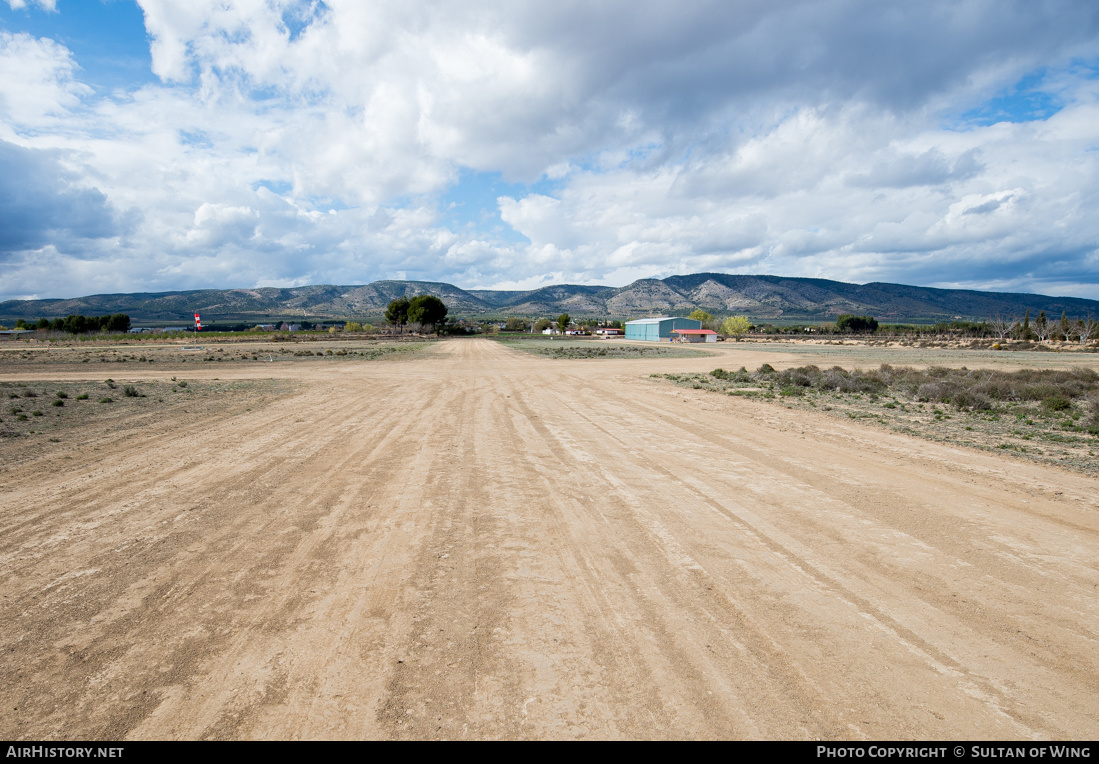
{"points": [[474, 542]]}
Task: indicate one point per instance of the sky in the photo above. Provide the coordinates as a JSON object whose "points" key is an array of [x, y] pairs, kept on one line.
{"points": [[151, 145]]}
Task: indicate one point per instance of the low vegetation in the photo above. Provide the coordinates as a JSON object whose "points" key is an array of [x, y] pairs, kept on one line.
{"points": [[597, 349], [1047, 415], [76, 407], [126, 354]]}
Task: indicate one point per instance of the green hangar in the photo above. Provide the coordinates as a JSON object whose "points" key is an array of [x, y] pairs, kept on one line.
{"points": [[657, 329]]}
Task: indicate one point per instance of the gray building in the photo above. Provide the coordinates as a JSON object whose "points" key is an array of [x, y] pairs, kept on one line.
{"points": [[657, 329]]}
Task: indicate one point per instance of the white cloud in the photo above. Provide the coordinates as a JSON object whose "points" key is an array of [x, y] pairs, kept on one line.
{"points": [[803, 138], [36, 81], [48, 5]]}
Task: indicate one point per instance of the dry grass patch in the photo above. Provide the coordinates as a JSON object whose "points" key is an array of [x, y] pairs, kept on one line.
{"points": [[1041, 414], [37, 413]]}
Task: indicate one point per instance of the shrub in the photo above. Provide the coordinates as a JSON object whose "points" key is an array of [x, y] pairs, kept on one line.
{"points": [[719, 374], [766, 369], [106, 400], [82, 397], [36, 412], [938, 392], [974, 401], [999, 390], [130, 391], [58, 402], [803, 377], [62, 394], [1039, 392], [834, 379], [1057, 402]]}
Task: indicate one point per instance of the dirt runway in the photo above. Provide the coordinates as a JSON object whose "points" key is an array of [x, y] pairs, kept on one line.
{"points": [[478, 543]]}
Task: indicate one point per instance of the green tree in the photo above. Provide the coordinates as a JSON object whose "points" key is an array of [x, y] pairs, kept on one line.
{"points": [[563, 322], [736, 327], [542, 324], [117, 322], [848, 323], [708, 321], [397, 312], [516, 325], [426, 310]]}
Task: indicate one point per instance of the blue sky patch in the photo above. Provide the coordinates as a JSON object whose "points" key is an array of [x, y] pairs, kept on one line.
{"points": [[297, 20], [107, 38], [195, 138], [470, 204], [1028, 100], [280, 187]]}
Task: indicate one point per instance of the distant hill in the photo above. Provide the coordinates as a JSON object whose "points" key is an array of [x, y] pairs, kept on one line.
{"points": [[761, 297]]}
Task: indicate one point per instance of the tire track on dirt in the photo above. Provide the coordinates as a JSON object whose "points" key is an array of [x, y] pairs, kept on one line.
{"points": [[482, 544], [153, 558], [675, 467]]}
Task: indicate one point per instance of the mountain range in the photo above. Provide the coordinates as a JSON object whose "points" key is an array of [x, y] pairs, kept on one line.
{"points": [[759, 297]]}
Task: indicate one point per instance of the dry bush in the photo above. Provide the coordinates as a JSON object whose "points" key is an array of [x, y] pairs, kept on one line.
{"points": [[970, 389]]}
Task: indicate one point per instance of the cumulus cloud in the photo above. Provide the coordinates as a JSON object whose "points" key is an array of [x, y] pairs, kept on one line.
{"points": [[37, 80], [42, 201], [296, 141]]}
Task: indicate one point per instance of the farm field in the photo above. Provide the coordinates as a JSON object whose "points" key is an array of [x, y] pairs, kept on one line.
{"points": [[465, 540]]}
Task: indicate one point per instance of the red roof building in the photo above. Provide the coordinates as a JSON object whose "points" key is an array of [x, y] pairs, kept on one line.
{"points": [[694, 335]]}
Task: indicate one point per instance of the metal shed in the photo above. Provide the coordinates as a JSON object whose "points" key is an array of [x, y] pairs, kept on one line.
{"points": [[656, 329]]}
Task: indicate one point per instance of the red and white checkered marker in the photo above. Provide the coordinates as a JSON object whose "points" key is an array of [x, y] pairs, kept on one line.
{"points": [[198, 322]]}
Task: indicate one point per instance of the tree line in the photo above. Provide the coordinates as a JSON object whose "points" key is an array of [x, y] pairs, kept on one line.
{"points": [[77, 324], [1043, 329], [1039, 329]]}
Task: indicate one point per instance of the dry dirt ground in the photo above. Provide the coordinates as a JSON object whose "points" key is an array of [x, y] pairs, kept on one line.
{"points": [[473, 542]]}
